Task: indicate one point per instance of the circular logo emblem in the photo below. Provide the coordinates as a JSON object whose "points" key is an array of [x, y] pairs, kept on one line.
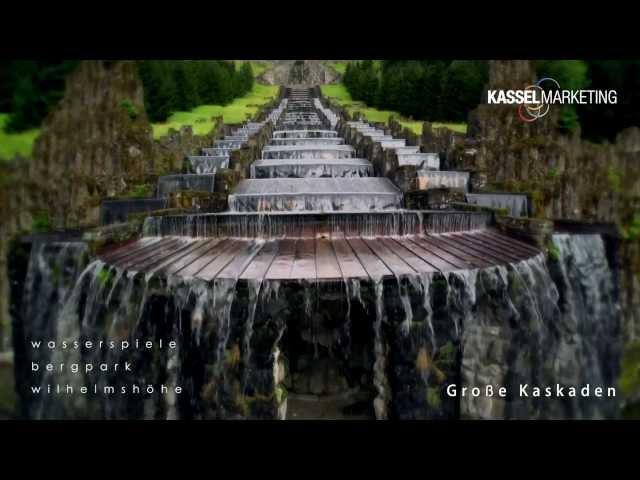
{"points": [[531, 112]]}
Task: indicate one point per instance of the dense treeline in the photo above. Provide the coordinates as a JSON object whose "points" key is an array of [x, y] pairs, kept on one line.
{"points": [[29, 89], [603, 122], [447, 90], [171, 86], [431, 90]]}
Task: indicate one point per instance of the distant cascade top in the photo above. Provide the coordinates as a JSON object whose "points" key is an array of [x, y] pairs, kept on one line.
{"points": [[308, 167]]}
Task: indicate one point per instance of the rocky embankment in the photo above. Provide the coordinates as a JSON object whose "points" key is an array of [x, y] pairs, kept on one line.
{"points": [[304, 73]]}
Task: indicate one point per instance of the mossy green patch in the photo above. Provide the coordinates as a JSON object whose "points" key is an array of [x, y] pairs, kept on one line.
{"points": [[552, 173], [630, 374], [143, 190], [433, 397], [541, 190], [104, 276], [128, 107], [614, 177], [446, 355], [631, 231], [554, 252], [281, 394], [41, 223]]}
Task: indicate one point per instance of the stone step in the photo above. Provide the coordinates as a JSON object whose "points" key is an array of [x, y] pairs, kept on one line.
{"points": [[389, 144], [300, 115], [307, 151], [245, 132], [376, 134], [406, 150], [216, 152], [232, 144], [315, 194], [424, 161], [310, 124], [307, 141], [369, 129], [517, 204], [207, 163], [305, 134], [347, 167], [184, 182], [428, 179]]}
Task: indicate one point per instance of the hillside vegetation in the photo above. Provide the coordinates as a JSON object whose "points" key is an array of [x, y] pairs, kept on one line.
{"points": [[339, 94], [238, 111], [12, 144]]}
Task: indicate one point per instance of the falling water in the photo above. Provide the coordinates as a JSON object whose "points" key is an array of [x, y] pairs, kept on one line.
{"points": [[380, 403], [537, 321], [352, 223]]}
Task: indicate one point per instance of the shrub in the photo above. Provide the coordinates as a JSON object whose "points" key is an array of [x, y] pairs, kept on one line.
{"points": [[130, 109]]}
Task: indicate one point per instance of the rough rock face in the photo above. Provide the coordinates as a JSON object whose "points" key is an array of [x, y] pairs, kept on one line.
{"points": [[13, 218], [306, 73], [94, 144]]}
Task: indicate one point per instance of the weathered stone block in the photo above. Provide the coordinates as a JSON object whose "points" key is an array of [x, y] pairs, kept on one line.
{"points": [[195, 200], [531, 230], [226, 180], [434, 199]]}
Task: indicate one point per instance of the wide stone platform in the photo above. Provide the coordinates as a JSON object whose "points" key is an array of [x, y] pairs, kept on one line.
{"points": [[300, 168], [328, 256], [307, 151], [315, 194], [351, 223]]}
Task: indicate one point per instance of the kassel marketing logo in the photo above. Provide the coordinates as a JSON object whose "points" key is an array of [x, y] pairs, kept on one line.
{"points": [[534, 101]]}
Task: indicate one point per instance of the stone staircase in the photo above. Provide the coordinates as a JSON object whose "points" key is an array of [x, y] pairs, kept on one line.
{"points": [[310, 200], [426, 179], [217, 156], [307, 167]]}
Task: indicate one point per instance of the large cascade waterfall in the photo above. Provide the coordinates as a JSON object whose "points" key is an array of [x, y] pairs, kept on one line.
{"points": [[533, 323], [219, 318]]}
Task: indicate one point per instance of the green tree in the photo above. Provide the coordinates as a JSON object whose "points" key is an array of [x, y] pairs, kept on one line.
{"points": [[368, 83], [36, 86], [186, 86], [226, 87], [245, 79], [571, 75], [462, 86], [6, 87], [601, 122], [391, 85], [159, 89]]}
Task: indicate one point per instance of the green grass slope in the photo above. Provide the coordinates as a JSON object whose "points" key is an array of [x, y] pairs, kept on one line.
{"points": [[12, 144], [200, 118]]}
